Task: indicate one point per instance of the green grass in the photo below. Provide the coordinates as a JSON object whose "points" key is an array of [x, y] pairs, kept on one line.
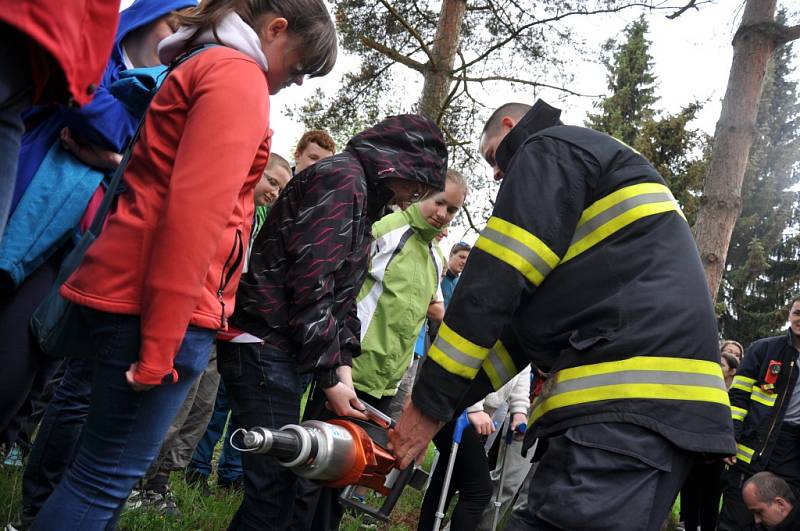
{"points": [[212, 513], [203, 513]]}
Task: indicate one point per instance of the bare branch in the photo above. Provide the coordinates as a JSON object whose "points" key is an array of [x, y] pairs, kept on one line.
{"points": [[469, 219], [466, 86], [447, 100], [452, 140], [515, 34], [683, 10], [409, 28], [428, 18], [530, 83], [789, 34], [392, 54], [368, 82]]}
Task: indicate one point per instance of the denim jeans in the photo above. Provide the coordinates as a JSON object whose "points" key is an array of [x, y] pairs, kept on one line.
{"points": [[58, 436], [20, 355], [124, 428], [229, 466], [187, 428], [15, 97], [264, 390]]}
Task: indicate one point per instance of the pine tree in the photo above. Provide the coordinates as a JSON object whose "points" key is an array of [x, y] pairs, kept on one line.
{"points": [[755, 44], [632, 85], [444, 60], [763, 262], [628, 114]]}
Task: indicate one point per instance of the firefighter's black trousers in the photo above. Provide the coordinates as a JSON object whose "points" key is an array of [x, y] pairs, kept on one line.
{"points": [[609, 476]]}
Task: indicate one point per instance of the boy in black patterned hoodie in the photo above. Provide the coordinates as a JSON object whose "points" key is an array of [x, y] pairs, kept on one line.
{"points": [[295, 307]]}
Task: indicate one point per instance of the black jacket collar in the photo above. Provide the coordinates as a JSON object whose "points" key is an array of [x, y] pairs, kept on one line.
{"points": [[539, 117]]}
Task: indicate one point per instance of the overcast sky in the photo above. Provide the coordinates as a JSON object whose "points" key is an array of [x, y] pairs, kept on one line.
{"points": [[691, 58]]}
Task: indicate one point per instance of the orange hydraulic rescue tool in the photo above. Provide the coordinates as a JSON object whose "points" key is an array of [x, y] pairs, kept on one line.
{"points": [[337, 453]]}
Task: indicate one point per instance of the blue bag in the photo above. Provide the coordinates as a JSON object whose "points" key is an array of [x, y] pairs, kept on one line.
{"points": [[57, 324]]}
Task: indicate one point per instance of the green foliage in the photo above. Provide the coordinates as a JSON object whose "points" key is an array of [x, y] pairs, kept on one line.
{"points": [[763, 262], [678, 152], [500, 43], [631, 83]]}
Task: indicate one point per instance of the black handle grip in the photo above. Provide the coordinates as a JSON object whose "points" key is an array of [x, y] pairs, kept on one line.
{"points": [[285, 445]]}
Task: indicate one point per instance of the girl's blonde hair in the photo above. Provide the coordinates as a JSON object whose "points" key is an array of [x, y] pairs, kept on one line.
{"points": [[308, 19], [457, 178]]}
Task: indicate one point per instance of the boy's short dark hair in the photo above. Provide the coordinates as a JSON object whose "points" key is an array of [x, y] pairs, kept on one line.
{"points": [[276, 160], [460, 246], [319, 137]]}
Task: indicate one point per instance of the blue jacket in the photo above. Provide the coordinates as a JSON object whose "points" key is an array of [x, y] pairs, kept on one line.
{"points": [[52, 187], [449, 283]]}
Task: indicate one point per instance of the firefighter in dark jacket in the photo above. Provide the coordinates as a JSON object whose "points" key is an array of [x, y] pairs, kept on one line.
{"points": [[586, 267], [765, 406]]}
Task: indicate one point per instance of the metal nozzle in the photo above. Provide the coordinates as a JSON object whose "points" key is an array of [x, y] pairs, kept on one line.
{"points": [[284, 445]]}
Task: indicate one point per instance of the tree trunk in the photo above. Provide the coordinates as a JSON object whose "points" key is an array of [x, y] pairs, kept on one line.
{"points": [[753, 46], [439, 76]]}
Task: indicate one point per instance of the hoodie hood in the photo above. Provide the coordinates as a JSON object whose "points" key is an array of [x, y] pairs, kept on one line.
{"points": [[409, 147], [539, 117], [143, 12]]}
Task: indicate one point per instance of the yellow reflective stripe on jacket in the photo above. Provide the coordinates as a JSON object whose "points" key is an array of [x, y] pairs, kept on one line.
{"points": [[768, 399], [616, 211], [641, 377], [743, 383], [744, 453], [518, 248], [738, 413], [456, 354], [499, 366]]}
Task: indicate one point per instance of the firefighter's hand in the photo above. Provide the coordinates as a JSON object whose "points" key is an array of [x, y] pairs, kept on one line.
{"points": [[412, 434], [730, 460], [482, 422], [516, 420], [342, 397]]}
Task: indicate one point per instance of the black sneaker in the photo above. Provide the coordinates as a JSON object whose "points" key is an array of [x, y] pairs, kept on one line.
{"points": [[195, 478], [230, 486], [21, 522], [152, 500], [368, 522]]}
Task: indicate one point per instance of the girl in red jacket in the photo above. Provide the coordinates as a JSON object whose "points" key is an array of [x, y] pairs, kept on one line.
{"points": [[159, 282]]}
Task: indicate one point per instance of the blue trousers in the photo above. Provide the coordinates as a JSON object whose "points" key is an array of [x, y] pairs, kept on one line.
{"points": [[124, 428], [264, 390], [15, 96], [57, 440], [229, 466]]}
